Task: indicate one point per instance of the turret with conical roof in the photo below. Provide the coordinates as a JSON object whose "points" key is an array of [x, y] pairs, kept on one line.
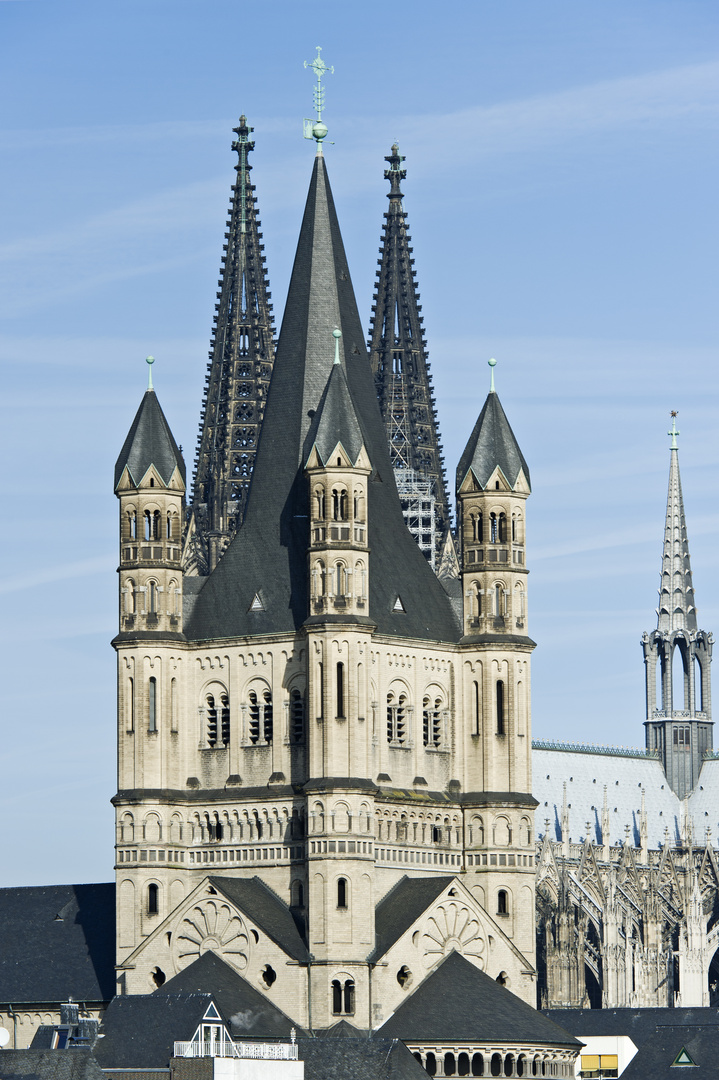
{"points": [[398, 353], [150, 484], [240, 367], [677, 655]]}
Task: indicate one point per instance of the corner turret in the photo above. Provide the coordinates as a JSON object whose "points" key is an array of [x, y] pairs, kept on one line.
{"points": [[150, 484]]}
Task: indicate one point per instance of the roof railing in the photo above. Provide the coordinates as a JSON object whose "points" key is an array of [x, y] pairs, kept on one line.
{"points": [[585, 748], [224, 1048]]}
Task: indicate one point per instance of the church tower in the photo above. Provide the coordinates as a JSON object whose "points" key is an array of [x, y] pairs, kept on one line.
{"points": [[677, 655], [398, 354], [492, 489], [240, 367]]}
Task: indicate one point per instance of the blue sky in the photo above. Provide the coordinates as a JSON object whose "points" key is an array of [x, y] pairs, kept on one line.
{"points": [[561, 192]]}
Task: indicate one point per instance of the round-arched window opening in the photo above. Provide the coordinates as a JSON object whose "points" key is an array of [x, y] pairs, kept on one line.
{"points": [[502, 902], [502, 978], [431, 1064], [269, 975], [509, 1065], [158, 976], [404, 976], [463, 1065], [153, 904]]}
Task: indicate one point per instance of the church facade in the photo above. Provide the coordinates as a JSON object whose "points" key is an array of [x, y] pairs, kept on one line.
{"points": [[324, 748]]}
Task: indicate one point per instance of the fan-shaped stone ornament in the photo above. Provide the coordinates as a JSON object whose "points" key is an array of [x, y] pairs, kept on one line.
{"points": [[453, 927], [212, 926]]}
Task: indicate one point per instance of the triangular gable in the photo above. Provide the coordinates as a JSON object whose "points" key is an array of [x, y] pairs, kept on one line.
{"points": [[212, 1013], [398, 605], [256, 604]]}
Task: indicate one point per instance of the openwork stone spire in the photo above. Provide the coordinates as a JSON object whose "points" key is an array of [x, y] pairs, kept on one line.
{"points": [[676, 593], [677, 656], [240, 367], [398, 353]]}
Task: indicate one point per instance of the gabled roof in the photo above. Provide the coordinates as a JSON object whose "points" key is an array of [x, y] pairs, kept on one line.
{"points": [[460, 1002], [139, 1031], [491, 444], [335, 421], [57, 942], [401, 907], [250, 1013], [270, 550], [358, 1059], [77, 1063], [266, 909], [149, 442], [640, 1025], [675, 1052]]}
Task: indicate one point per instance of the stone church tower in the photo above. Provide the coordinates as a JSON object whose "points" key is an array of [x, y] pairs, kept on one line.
{"points": [[323, 756]]}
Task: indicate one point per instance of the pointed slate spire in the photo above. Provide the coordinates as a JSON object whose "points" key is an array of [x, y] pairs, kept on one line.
{"points": [[336, 420], [398, 354], [492, 445], [270, 551], [676, 592], [241, 360], [149, 442]]}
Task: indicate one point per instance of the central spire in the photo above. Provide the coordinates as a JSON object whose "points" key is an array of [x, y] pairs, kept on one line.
{"points": [[676, 592], [269, 553]]}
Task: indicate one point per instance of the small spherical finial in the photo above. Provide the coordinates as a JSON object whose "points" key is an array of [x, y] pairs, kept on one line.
{"points": [[319, 131], [492, 365], [149, 360], [337, 333]]}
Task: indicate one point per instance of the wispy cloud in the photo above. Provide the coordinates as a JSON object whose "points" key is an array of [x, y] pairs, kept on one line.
{"points": [[63, 572]]}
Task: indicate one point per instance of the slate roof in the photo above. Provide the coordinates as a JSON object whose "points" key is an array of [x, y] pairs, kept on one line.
{"points": [[358, 1059], [656, 1057], [401, 907], [140, 1030], [460, 1002], [639, 1024], [492, 443], [249, 1013], [335, 420], [586, 773], [77, 1063], [149, 442], [56, 942], [266, 909], [269, 553]]}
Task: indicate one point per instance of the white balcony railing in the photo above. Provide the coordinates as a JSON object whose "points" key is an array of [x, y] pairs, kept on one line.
{"points": [[226, 1049]]}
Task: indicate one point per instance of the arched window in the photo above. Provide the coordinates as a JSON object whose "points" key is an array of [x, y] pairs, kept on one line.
{"points": [[342, 892], [225, 719], [133, 524], [431, 1065], [477, 1065], [339, 504], [153, 905], [130, 704], [320, 579], [168, 526], [475, 707], [349, 997], [148, 525], [152, 704], [502, 902], [500, 707], [260, 716], [340, 691], [156, 525], [339, 579], [320, 503], [153, 597], [298, 894], [336, 997], [493, 528], [359, 505], [130, 597], [431, 721], [499, 599], [396, 718], [360, 581], [297, 717], [502, 528], [449, 1064]]}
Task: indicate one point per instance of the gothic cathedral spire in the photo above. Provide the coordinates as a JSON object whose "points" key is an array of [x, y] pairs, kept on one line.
{"points": [[241, 360], [678, 723], [398, 353]]}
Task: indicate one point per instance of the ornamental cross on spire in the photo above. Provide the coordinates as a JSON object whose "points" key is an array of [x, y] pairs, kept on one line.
{"points": [[318, 130], [674, 431]]}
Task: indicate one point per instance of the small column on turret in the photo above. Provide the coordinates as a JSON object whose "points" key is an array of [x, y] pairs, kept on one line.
{"points": [[150, 484]]}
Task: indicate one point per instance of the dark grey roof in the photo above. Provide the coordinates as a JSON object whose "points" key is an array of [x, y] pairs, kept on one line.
{"points": [[266, 909], [656, 1057], [139, 1030], [249, 1013], [358, 1059], [341, 1030], [492, 443], [335, 420], [639, 1024], [77, 1063], [460, 1002], [56, 942], [402, 906], [269, 553], [149, 442]]}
